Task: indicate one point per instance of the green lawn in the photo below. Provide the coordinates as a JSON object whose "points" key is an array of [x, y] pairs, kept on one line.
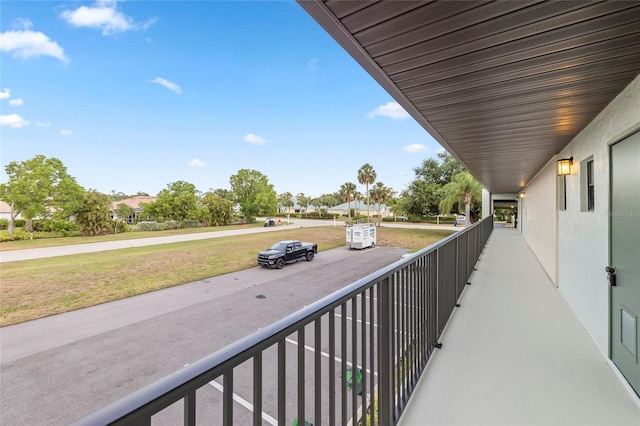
{"points": [[38, 288], [64, 241]]}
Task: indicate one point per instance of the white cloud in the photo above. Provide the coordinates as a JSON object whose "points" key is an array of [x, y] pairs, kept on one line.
{"points": [[197, 163], [416, 147], [41, 124], [5, 93], [65, 132], [105, 17], [22, 24], [254, 139], [16, 102], [13, 120], [168, 84], [30, 44], [391, 110]]}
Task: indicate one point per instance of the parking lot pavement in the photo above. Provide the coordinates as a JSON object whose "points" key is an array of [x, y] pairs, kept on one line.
{"points": [[75, 363]]}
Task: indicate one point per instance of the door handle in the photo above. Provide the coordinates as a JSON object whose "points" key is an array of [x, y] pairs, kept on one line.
{"points": [[611, 275]]}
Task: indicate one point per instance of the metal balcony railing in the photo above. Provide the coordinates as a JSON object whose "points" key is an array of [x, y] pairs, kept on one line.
{"points": [[353, 357]]}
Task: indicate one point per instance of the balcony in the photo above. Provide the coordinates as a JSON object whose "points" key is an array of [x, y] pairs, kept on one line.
{"points": [[412, 344], [515, 353]]}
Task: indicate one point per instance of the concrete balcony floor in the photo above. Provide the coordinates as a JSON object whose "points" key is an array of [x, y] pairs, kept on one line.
{"points": [[515, 353]]}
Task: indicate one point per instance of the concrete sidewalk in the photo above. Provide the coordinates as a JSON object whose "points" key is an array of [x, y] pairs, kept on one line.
{"points": [[515, 353], [39, 253]]}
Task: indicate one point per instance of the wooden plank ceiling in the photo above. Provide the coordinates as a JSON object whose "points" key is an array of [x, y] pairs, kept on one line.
{"points": [[502, 85]]}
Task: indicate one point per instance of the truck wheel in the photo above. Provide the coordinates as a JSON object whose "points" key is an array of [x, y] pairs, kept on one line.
{"points": [[309, 256], [280, 263], [373, 245]]}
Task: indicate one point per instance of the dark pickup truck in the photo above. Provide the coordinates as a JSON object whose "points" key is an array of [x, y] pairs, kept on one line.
{"points": [[286, 252]]}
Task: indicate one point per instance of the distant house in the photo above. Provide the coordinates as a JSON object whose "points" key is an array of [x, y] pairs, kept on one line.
{"points": [[361, 208], [5, 211], [135, 203]]}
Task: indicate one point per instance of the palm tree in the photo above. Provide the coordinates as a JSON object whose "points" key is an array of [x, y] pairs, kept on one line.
{"points": [[317, 203], [366, 176], [303, 201], [380, 194], [357, 197], [286, 201], [463, 187], [347, 192]]}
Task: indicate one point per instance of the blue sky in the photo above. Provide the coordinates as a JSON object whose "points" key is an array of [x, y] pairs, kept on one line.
{"points": [[133, 95]]}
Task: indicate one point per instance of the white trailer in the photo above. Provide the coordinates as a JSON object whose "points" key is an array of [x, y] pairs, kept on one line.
{"points": [[361, 236]]}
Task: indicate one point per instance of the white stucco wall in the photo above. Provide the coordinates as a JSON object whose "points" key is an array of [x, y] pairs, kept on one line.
{"points": [[487, 209], [539, 217], [583, 237]]}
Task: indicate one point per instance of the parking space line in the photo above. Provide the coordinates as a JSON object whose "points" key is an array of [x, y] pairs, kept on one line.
{"points": [[246, 404], [358, 320], [326, 355]]}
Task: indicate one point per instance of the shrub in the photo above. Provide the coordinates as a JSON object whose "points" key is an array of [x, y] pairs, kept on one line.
{"points": [[4, 223], [121, 227], [191, 224], [148, 226], [51, 225], [171, 224], [21, 234], [19, 223]]}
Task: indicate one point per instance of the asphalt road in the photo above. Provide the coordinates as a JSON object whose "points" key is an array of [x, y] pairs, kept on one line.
{"points": [[57, 369]]}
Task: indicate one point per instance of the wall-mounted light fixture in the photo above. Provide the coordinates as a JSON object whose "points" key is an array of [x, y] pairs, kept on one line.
{"points": [[522, 195], [564, 166]]}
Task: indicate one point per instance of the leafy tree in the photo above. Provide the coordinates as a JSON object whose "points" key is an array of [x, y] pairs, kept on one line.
{"points": [[462, 188], [215, 211], [438, 171], [152, 210], [395, 205], [423, 194], [366, 176], [303, 201], [225, 194], [347, 192], [403, 203], [330, 200], [380, 194], [39, 187], [93, 215], [286, 200], [122, 212], [421, 198], [254, 193], [178, 201]]}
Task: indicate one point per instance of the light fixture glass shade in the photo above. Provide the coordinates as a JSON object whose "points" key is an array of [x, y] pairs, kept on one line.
{"points": [[564, 166]]}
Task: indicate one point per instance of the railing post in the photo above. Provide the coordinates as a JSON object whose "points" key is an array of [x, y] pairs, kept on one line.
{"points": [[385, 364], [190, 408]]}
